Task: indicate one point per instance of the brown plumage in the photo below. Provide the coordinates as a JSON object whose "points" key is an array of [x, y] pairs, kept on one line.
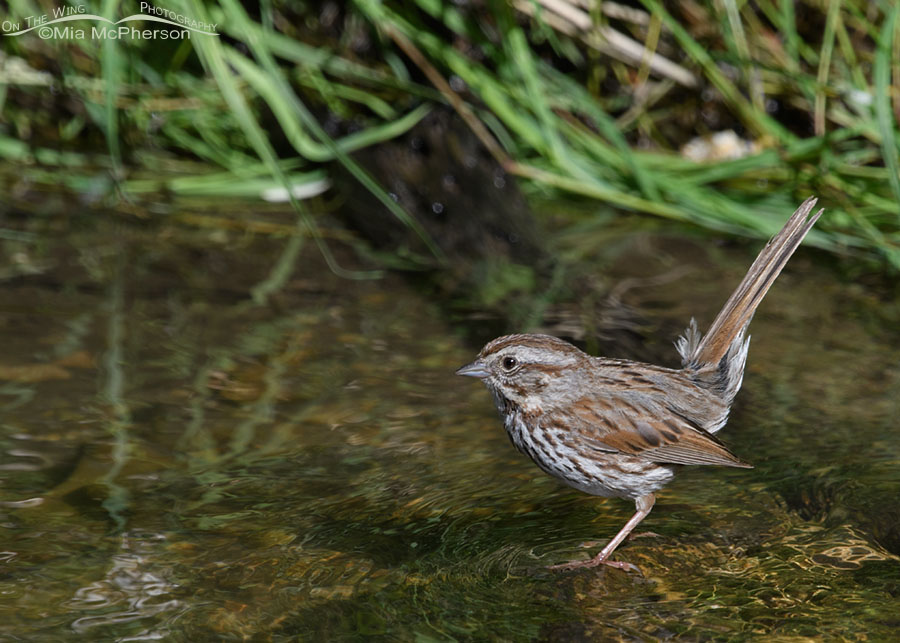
{"points": [[614, 427]]}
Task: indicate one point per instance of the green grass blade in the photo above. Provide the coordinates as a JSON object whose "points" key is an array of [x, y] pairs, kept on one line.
{"points": [[882, 80], [757, 120], [211, 52]]}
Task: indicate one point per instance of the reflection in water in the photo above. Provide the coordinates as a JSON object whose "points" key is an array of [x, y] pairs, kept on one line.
{"points": [[198, 465], [130, 591]]}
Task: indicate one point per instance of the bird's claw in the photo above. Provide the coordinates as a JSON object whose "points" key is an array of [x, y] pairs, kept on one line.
{"points": [[594, 562]]}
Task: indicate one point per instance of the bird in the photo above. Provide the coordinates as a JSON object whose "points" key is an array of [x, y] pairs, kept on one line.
{"points": [[620, 428]]}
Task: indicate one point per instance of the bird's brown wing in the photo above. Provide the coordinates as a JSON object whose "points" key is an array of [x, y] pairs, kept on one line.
{"points": [[640, 426]]}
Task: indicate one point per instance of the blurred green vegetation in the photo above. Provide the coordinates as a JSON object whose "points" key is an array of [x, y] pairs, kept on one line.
{"points": [[591, 99]]}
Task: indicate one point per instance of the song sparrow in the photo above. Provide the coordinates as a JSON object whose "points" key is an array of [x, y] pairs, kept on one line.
{"points": [[613, 427]]}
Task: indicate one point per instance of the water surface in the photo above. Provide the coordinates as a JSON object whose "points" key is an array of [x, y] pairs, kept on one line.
{"points": [[181, 461]]}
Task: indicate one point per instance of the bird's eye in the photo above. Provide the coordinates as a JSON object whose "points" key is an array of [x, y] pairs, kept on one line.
{"points": [[509, 363]]}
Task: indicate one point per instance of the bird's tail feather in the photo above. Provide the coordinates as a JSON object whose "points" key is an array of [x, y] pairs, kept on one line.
{"points": [[725, 337]]}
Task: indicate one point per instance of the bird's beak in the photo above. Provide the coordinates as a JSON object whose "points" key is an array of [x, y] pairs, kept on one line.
{"points": [[475, 369]]}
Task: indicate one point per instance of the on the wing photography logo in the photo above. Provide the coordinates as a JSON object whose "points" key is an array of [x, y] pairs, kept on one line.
{"points": [[68, 23]]}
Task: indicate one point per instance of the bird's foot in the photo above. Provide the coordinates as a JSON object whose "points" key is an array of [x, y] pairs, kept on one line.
{"points": [[594, 562]]}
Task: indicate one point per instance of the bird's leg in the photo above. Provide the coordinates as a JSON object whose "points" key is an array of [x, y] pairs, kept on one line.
{"points": [[643, 506], [590, 544]]}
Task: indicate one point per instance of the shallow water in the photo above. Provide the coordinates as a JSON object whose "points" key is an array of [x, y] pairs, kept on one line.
{"points": [[179, 462]]}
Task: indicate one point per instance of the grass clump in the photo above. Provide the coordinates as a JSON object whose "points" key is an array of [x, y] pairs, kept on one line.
{"points": [[599, 100]]}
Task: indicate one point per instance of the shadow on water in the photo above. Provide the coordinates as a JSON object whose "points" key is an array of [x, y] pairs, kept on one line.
{"points": [[179, 461]]}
